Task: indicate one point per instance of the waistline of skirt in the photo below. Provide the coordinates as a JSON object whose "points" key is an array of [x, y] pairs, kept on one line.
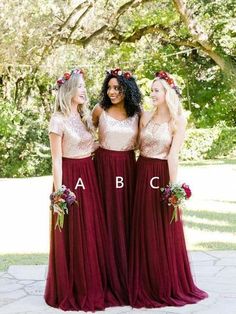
{"points": [[150, 159], [76, 160], [116, 152]]}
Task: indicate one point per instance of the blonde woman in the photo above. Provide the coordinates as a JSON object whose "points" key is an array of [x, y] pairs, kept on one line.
{"points": [[76, 276], [160, 273]]}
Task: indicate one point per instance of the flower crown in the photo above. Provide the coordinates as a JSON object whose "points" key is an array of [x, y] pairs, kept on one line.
{"points": [[164, 76], [119, 72], [66, 76]]}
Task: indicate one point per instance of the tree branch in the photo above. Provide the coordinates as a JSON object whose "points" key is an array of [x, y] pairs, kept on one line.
{"points": [[139, 33], [200, 36], [73, 28], [196, 30], [73, 12]]}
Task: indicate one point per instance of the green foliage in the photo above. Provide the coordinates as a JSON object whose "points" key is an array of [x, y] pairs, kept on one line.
{"points": [[24, 143], [25, 109], [42, 39], [218, 142]]}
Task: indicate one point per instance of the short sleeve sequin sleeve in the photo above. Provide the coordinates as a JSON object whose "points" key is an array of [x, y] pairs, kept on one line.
{"points": [[56, 124]]}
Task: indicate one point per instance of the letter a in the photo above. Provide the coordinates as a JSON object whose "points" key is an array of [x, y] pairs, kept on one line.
{"points": [[79, 184]]}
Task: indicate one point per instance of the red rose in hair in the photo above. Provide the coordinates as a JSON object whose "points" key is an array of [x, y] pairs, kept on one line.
{"points": [[170, 81], [60, 81], [115, 72], [161, 74], [127, 75], [67, 75]]}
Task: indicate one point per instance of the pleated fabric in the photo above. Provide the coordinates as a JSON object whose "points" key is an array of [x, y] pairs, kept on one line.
{"points": [[117, 204], [160, 273], [76, 276]]}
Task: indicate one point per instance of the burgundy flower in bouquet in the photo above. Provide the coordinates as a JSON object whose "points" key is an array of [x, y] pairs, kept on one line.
{"points": [[61, 200], [175, 195]]}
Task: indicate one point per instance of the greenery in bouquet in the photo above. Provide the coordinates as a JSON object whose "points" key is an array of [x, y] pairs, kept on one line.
{"points": [[175, 194]]}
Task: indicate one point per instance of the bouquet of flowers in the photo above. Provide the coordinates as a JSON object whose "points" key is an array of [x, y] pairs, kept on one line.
{"points": [[60, 202], [175, 195]]}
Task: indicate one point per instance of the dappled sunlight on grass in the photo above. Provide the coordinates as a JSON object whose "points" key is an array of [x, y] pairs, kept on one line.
{"points": [[225, 222], [211, 205], [208, 229], [215, 246], [22, 259], [207, 162], [195, 220], [209, 219]]}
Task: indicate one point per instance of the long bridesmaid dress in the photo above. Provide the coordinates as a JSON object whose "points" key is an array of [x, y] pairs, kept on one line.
{"points": [[115, 165], [76, 277], [160, 273]]}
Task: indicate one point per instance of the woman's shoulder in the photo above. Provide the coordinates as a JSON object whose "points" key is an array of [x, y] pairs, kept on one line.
{"points": [[181, 121], [97, 109], [145, 116], [57, 116], [56, 124]]}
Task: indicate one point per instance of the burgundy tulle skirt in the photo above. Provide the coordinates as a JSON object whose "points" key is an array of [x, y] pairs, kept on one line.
{"points": [[160, 273], [117, 204], [76, 276]]}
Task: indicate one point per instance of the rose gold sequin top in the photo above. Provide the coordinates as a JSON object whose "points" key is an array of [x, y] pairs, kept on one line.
{"points": [[155, 140], [118, 135], [77, 141]]}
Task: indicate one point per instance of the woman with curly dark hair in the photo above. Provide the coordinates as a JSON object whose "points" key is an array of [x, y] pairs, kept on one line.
{"points": [[117, 119]]}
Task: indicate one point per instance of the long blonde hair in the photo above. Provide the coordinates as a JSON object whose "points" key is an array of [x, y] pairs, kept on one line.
{"points": [[63, 100], [173, 103]]}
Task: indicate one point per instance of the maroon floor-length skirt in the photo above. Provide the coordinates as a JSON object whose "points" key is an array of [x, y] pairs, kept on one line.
{"points": [[160, 273], [117, 203], [76, 276]]}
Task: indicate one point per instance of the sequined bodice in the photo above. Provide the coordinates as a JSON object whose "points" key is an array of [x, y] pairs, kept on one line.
{"points": [[119, 135], [155, 140], [77, 141]]}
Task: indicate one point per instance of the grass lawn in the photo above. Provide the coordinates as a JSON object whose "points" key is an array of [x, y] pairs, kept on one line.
{"points": [[209, 217], [206, 162], [204, 230], [22, 259], [210, 230]]}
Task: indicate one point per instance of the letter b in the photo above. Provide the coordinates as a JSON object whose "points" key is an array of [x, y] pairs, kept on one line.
{"points": [[119, 182]]}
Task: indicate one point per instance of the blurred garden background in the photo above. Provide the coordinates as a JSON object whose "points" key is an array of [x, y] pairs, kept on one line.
{"points": [[194, 40]]}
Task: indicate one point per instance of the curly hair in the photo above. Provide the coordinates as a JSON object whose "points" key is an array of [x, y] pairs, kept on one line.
{"points": [[129, 88]]}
